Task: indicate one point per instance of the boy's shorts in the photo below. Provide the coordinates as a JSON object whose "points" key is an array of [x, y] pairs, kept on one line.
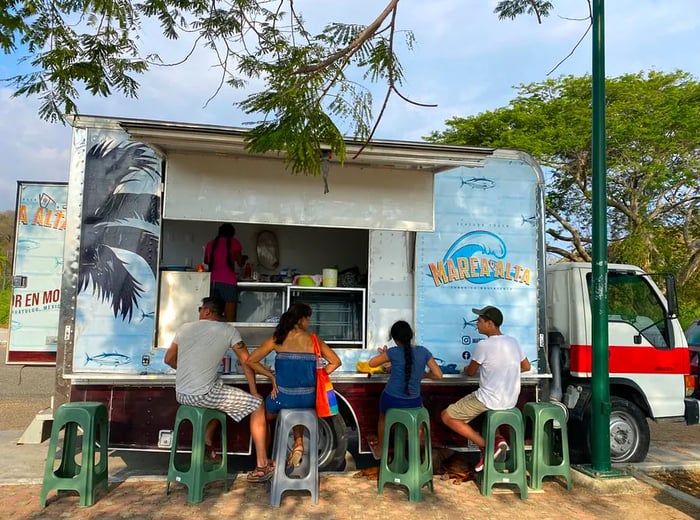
{"points": [[467, 408]]}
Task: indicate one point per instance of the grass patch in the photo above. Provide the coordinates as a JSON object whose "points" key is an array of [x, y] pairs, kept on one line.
{"points": [[5, 295]]}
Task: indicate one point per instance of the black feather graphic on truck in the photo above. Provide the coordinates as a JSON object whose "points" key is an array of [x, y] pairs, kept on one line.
{"points": [[120, 214]]}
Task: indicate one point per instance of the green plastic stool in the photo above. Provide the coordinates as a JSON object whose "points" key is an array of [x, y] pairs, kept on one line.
{"points": [[512, 470], [84, 478], [548, 457], [196, 473], [413, 471]]}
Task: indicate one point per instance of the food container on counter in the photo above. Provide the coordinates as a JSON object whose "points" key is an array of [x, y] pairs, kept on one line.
{"points": [[330, 278], [305, 280]]}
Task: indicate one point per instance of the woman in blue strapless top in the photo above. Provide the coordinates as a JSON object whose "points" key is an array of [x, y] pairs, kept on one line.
{"points": [[294, 378]]}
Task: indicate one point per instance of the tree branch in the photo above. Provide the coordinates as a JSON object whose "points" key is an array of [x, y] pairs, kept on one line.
{"points": [[564, 253], [365, 35], [576, 237]]}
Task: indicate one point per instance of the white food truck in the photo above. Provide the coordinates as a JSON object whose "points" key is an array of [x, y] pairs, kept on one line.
{"points": [[419, 232]]}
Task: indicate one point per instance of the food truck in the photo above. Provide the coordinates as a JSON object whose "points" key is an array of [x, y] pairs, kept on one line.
{"points": [[413, 231]]}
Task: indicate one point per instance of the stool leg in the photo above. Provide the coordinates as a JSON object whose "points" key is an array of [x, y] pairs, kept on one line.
{"points": [[427, 463], [520, 462], [47, 485], [87, 463], [414, 464], [313, 468], [195, 492], [400, 462], [103, 466], [68, 467], [171, 463]]}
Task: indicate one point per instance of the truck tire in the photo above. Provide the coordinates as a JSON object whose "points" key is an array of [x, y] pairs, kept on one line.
{"points": [[332, 443], [629, 432]]}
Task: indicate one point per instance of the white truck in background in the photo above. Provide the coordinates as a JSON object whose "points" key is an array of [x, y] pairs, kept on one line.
{"points": [[648, 364]]}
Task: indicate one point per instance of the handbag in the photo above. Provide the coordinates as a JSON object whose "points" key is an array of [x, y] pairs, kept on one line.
{"points": [[326, 402]]}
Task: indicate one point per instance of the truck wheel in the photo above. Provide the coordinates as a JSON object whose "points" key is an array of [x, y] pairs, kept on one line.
{"points": [[332, 443], [629, 432]]}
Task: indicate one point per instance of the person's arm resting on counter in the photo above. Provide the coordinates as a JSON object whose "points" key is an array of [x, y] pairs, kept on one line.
{"points": [[472, 368], [171, 356], [525, 365], [242, 355], [253, 363]]}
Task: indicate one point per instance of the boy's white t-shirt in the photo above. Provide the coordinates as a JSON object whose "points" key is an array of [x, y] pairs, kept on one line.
{"points": [[499, 358]]}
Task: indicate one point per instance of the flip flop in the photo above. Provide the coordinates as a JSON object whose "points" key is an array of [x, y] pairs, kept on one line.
{"points": [[294, 460], [261, 473]]}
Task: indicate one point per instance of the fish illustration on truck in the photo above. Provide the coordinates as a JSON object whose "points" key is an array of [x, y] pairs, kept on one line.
{"points": [[478, 183], [111, 359]]}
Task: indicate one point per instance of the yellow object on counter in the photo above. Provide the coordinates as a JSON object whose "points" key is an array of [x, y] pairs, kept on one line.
{"points": [[364, 368]]}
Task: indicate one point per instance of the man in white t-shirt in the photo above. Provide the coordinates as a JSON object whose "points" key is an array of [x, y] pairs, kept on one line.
{"points": [[196, 352], [499, 360]]}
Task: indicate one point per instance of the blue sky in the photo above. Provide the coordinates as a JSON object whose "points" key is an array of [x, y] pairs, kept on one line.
{"points": [[464, 60]]}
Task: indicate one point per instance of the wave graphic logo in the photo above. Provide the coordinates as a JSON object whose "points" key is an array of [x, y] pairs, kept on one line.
{"points": [[479, 257]]}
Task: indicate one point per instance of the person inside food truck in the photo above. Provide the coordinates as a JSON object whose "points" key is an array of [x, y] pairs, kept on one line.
{"points": [[408, 364], [499, 360], [195, 353], [294, 378], [221, 255]]}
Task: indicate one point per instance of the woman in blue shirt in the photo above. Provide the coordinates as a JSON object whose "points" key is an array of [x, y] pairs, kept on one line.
{"points": [[408, 363]]}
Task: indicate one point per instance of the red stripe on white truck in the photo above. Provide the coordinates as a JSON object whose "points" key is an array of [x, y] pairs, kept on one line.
{"points": [[627, 359]]}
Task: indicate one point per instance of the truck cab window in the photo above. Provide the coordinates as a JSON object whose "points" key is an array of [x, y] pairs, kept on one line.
{"points": [[631, 300]]}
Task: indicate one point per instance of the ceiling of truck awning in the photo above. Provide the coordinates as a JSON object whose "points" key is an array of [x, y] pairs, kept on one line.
{"points": [[182, 137]]}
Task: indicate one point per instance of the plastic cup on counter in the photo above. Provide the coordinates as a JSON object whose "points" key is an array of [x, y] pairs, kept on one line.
{"points": [[330, 278]]}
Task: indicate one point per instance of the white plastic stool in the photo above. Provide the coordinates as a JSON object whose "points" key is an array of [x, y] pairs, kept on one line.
{"points": [[308, 469]]}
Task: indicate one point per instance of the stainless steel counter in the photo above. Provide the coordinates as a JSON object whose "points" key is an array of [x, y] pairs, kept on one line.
{"points": [[338, 377]]}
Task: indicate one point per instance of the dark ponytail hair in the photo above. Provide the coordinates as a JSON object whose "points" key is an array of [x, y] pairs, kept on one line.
{"points": [[402, 334], [289, 319], [226, 231]]}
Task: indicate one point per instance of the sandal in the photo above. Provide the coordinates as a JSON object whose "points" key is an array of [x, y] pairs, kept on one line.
{"points": [[210, 454], [295, 456], [261, 473]]}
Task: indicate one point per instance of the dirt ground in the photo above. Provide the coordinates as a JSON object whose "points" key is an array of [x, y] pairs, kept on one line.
{"points": [[686, 481]]}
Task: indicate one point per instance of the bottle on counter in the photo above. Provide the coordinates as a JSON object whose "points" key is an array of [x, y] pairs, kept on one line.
{"points": [[247, 271]]}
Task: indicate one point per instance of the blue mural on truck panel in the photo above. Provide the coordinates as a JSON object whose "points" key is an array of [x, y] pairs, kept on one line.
{"points": [[483, 252], [120, 233], [38, 262]]}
